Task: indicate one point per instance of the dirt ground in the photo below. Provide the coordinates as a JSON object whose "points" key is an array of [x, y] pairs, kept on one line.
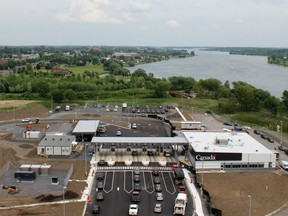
{"points": [[229, 192], [19, 152]]}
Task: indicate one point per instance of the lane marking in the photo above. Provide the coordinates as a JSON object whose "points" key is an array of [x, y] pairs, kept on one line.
{"points": [[125, 172], [112, 184]]}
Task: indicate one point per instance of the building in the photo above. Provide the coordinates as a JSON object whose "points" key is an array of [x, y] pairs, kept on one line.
{"points": [[56, 145], [85, 130], [227, 151]]}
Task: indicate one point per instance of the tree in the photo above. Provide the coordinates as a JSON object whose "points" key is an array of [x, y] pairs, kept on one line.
{"points": [[160, 88], [58, 95], [245, 96], [272, 104], [69, 95], [285, 98]]}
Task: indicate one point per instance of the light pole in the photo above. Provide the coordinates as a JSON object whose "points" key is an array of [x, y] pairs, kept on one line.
{"points": [[281, 130], [51, 103], [85, 160], [250, 204], [64, 207]]}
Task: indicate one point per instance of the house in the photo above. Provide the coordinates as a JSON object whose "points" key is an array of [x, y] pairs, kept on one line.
{"points": [[56, 145]]}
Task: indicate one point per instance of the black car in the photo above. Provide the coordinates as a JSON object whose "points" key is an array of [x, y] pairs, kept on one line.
{"points": [[227, 123], [135, 196], [281, 148], [136, 178], [100, 196], [264, 136], [269, 139], [257, 132], [137, 186], [101, 162], [96, 209], [155, 173], [100, 175]]}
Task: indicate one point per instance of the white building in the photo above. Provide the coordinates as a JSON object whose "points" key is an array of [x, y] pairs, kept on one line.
{"points": [[55, 145], [227, 151]]}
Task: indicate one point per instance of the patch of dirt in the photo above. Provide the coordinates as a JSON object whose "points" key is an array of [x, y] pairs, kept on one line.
{"points": [[14, 103], [229, 192], [26, 146], [51, 198]]}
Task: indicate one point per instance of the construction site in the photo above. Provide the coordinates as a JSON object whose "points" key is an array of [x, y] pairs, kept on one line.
{"points": [[65, 179]]}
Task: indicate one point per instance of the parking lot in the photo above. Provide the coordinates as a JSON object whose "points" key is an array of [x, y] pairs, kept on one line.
{"points": [[119, 185]]}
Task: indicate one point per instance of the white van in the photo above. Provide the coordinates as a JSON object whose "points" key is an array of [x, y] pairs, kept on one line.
{"points": [[284, 165]]}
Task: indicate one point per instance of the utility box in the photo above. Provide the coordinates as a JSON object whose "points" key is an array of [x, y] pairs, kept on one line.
{"points": [[54, 180]]}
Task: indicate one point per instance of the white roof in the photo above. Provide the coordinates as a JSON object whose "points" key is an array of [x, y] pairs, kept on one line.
{"points": [[225, 142], [86, 126], [144, 140]]}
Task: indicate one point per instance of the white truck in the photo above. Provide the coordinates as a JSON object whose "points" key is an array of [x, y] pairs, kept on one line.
{"points": [[67, 108], [284, 165], [180, 204]]}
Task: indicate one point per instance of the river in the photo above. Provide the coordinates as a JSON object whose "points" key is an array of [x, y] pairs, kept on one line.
{"points": [[221, 65]]}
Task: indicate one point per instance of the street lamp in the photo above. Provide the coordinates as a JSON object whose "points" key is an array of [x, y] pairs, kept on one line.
{"points": [[51, 103], [250, 204], [281, 131], [64, 207]]}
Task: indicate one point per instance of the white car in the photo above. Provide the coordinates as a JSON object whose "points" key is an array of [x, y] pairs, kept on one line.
{"points": [[134, 126], [159, 196], [133, 209], [26, 120], [247, 127], [118, 133], [158, 208]]}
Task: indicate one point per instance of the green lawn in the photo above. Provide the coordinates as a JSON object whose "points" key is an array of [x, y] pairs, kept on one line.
{"points": [[89, 67]]}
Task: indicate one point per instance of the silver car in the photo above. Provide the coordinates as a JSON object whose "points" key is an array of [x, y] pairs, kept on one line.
{"points": [[159, 196], [158, 208]]}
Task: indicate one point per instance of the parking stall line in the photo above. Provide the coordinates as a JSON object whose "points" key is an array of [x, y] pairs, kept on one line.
{"points": [[164, 181], [150, 186], [126, 172], [112, 184]]}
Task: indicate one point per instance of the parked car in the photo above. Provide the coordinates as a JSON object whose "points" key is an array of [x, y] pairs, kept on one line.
{"points": [[257, 132], [118, 133], [158, 208], [26, 120], [263, 136], [96, 209], [136, 172], [100, 196], [269, 139], [247, 127], [281, 148], [227, 123], [159, 196]]}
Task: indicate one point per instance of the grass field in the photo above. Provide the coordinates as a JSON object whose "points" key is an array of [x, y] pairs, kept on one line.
{"points": [[89, 67]]}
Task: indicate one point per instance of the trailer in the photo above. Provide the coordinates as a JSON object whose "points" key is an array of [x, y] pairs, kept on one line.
{"points": [[25, 175], [180, 204], [192, 125]]}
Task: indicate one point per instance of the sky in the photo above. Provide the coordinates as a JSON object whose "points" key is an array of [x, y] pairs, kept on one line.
{"points": [[241, 23]]}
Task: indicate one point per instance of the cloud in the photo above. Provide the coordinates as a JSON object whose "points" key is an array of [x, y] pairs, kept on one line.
{"points": [[172, 23], [87, 11], [139, 5], [128, 16]]}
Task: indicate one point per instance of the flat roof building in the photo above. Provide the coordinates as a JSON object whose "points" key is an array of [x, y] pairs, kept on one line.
{"points": [[227, 150]]}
